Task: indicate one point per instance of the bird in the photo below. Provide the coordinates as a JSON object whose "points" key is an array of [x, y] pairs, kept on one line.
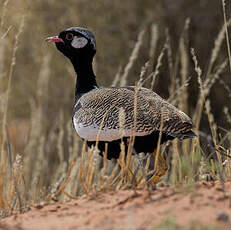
{"points": [[98, 110]]}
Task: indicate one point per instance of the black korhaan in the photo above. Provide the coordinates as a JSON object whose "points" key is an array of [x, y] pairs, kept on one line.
{"points": [[98, 110]]}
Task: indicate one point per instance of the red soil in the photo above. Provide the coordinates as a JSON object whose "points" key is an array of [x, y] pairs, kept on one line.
{"points": [[208, 204]]}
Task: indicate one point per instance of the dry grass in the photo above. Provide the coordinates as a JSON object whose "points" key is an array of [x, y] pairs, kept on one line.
{"points": [[43, 160], [226, 33]]}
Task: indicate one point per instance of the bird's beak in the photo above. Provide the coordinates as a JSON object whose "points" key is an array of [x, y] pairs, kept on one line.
{"points": [[54, 39]]}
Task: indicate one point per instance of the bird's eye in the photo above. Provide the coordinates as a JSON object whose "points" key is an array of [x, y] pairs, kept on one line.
{"points": [[69, 36]]}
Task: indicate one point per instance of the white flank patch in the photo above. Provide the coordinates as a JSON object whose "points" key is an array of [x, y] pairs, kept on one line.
{"points": [[79, 42], [92, 133]]}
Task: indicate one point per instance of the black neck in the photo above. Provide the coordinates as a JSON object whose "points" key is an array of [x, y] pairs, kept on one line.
{"points": [[85, 76]]}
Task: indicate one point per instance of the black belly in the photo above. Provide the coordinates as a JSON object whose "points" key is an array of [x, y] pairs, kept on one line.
{"points": [[146, 144]]}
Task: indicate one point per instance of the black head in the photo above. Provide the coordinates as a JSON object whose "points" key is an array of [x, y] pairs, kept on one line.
{"points": [[75, 42]]}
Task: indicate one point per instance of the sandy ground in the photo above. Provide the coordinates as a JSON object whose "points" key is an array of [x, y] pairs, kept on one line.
{"points": [[208, 205]]}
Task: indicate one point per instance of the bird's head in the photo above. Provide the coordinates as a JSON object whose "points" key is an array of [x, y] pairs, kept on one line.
{"points": [[75, 42]]}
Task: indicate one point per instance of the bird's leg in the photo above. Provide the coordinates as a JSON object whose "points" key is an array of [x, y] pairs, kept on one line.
{"points": [[161, 168], [134, 175], [140, 165], [130, 173]]}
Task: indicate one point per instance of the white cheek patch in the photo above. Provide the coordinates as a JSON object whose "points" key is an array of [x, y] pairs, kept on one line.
{"points": [[79, 42]]}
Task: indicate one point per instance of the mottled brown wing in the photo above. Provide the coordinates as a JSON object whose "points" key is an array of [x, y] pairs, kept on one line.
{"points": [[105, 104]]}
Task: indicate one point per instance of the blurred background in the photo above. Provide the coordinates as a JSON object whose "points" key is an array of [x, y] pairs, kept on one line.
{"points": [[40, 96]]}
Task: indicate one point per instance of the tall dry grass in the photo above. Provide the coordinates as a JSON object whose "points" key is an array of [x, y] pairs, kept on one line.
{"points": [[43, 160]]}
